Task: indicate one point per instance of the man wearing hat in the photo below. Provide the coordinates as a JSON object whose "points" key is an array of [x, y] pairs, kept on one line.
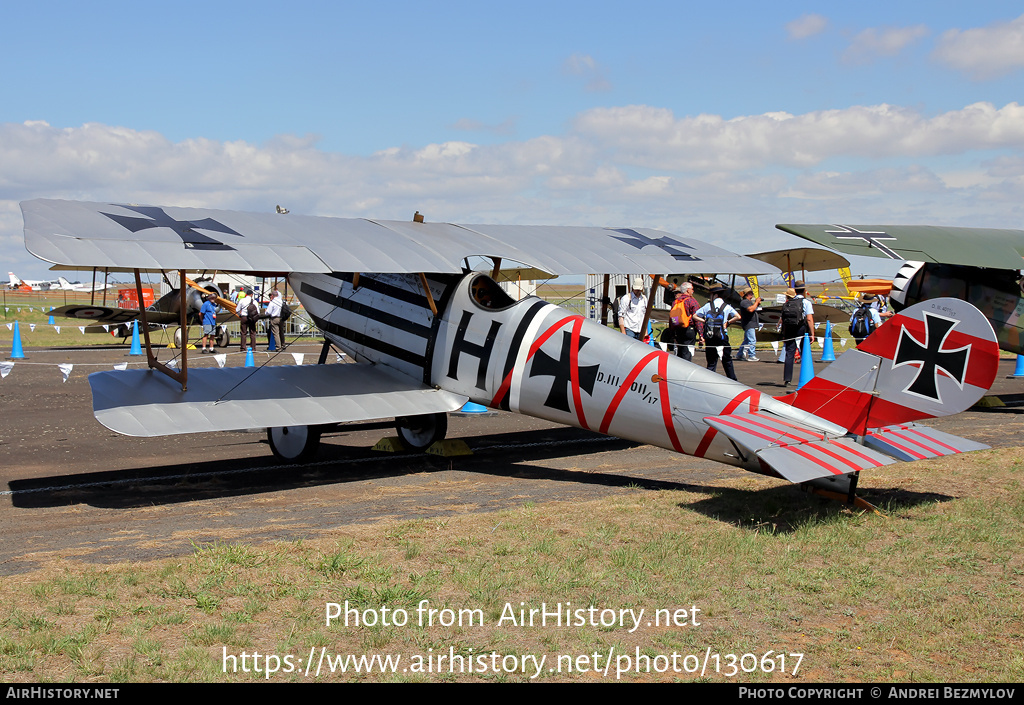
{"points": [[632, 309], [716, 317], [797, 321]]}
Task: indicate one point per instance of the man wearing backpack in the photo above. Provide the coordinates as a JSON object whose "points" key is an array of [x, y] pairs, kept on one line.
{"points": [[865, 319], [681, 332], [717, 316], [248, 312], [797, 321]]}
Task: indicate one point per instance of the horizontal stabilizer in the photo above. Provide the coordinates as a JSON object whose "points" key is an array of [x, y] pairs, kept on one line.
{"points": [[148, 403], [915, 442], [795, 451]]}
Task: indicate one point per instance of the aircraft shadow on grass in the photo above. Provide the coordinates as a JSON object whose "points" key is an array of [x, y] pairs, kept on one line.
{"points": [[513, 455]]}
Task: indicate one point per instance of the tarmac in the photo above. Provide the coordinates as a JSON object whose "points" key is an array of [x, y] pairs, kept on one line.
{"points": [[71, 488]]}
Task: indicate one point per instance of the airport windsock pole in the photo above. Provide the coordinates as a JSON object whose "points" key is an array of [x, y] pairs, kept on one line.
{"points": [[1018, 372], [829, 353], [250, 361], [136, 348], [806, 363], [16, 352]]}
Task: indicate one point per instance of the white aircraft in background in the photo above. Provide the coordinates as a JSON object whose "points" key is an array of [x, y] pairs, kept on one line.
{"points": [[76, 286], [30, 284], [61, 284]]}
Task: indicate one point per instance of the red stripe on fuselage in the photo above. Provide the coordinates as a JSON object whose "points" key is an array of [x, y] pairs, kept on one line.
{"points": [[666, 406], [624, 387], [507, 382]]}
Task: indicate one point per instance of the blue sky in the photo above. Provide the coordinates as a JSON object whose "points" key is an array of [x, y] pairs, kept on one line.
{"points": [[711, 121]]}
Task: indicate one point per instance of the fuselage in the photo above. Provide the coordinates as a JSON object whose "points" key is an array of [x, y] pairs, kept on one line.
{"points": [[996, 292], [535, 358]]}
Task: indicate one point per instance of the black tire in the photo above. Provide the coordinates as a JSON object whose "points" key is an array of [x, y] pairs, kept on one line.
{"points": [[222, 336], [418, 433], [294, 444]]}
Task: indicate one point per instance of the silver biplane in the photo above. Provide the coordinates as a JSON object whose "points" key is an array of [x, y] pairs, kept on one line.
{"points": [[430, 335]]}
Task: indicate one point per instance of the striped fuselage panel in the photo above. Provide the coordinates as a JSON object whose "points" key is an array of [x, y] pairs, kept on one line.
{"points": [[385, 320]]}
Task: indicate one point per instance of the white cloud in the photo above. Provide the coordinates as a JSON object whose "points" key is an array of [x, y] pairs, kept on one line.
{"points": [[654, 138], [721, 179], [806, 26], [584, 66], [983, 52], [875, 42]]}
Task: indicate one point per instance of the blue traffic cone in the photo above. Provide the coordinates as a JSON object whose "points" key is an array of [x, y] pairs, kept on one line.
{"points": [[473, 408], [16, 352], [1019, 371], [272, 345], [51, 321], [136, 348], [829, 353], [250, 361], [806, 363]]}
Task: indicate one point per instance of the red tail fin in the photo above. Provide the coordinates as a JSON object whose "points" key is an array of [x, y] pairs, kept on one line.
{"points": [[934, 359]]}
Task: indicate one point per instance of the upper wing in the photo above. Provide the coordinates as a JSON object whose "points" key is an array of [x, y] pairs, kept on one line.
{"points": [[150, 237], [810, 259], [145, 403], [976, 247]]}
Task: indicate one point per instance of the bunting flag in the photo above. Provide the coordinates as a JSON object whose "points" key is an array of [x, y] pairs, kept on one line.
{"points": [[692, 349], [172, 363], [842, 342], [65, 369], [775, 346], [816, 326], [57, 328], [298, 357], [82, 328], [31, 327], [821, 345], [106, 328], [221, 358], [5, 369], [340, 357], [718, 349], [10, 325]]}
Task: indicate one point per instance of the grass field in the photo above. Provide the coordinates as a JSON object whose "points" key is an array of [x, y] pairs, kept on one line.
{"points": [[930, 592]]}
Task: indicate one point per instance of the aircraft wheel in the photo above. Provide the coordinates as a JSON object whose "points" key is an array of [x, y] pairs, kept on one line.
{"points": [[418, 433], [177, 337], [223, 336], [294, 444]]}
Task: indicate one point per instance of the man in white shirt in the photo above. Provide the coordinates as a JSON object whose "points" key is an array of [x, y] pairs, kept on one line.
{"points": [[716, 316], [275, 329], [632, 309], [247, 323]]}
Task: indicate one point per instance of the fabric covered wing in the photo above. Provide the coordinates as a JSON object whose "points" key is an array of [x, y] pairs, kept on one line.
{"points": [[976, 247], [152, 237], [147, 403], [794, 451]]}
